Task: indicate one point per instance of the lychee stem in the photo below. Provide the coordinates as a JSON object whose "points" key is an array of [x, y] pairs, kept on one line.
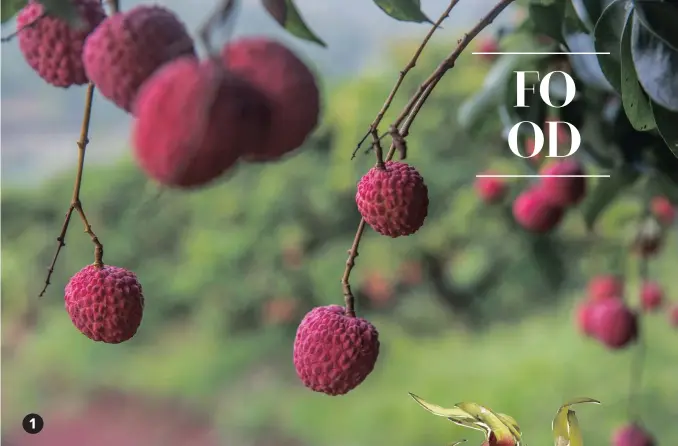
{"points": [[220, 16], [350, 263], [9, 37]]}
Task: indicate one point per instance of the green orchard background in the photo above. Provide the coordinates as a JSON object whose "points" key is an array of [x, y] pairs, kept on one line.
{"points": [[470, 308]]}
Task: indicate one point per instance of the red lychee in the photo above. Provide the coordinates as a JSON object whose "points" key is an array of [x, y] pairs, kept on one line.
{"points": [[564, 191], [492, 441], [333, 352], [193, 122], [651, 296], [663, 210], [488, 45], [393, 200], [605, 286], [632, 435], [52, 47], [105, 303], [535, 212], [584, 318], [529, 150], [128, 47], [490, 190], [614, 324], [289, 85]]}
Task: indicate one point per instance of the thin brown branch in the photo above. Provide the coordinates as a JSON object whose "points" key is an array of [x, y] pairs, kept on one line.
{"points": [[409, 114], [401, 77], [221, 15], [11, 36]]}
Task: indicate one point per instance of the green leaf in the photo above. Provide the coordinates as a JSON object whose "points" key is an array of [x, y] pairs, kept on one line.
{"points": [[635, 101], [577, 39], [549, 259], [607, 37], [656, 65], [576, 438], [496, 424], [589, 11], [10, 8], [403, 10], [660, 18], [547, 19], [605, 191], [666, 121], [285, 12]]}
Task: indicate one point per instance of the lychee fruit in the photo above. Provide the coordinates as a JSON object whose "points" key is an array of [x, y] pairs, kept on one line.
{"points": [[334, 352], [605, 286], [194, 120], [564, 191], [632, 435], [651, 296], [393, 200], [490, 189], [52, 47], [289, 85], [105, 303], [488, 45], [535, 212], [128, 47], [663, 210], [584, 318], [493, 441], [614, 324]]}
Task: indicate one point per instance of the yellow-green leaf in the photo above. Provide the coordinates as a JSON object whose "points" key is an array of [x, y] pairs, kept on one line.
{"points": [[562, 427], [454, 414], [575, 432], [486, 416], [511, 423]]}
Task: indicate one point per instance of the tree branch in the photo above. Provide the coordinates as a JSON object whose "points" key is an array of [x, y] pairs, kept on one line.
{"points": [[408, 115]]}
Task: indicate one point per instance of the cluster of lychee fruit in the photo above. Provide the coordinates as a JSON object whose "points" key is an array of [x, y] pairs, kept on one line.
{"points": [[540, 207], [606, 317], [194, 119]]}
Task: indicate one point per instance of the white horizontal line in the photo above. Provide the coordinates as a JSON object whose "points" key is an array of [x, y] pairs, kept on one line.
{"points": [[540, 52], [542, 176]]}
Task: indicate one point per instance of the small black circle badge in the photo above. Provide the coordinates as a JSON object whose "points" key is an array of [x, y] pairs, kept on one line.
{"points": [[33, 423]]}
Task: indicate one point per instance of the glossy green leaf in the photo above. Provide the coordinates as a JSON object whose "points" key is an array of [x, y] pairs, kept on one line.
{"points": [[605, 192], [285, 12], [656, 65], [403, 10], [589, 11], [666, 121], [510, 422], [577, 39], [635, 101], [10, 8], [660, 18], [565, 425], [454, 414], [547, 19], [607, 37]]}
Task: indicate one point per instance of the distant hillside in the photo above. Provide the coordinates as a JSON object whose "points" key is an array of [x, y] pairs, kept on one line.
{"points": [[40, 124]]}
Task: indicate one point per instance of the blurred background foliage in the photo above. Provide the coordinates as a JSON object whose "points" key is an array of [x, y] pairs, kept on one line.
{"points": [[469, 309]]}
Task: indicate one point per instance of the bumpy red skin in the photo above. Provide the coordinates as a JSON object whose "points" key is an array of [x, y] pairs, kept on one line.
{"points": [[289, 85], [334, 353], [663, 210], [651, 296], [105, 303], [565, 191], [614, 324], [128, 47], [632, 435], [490, 190], [394, 200], [489, 45], [51, 47], [534, 212], [605, 286], [194, 121]]}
